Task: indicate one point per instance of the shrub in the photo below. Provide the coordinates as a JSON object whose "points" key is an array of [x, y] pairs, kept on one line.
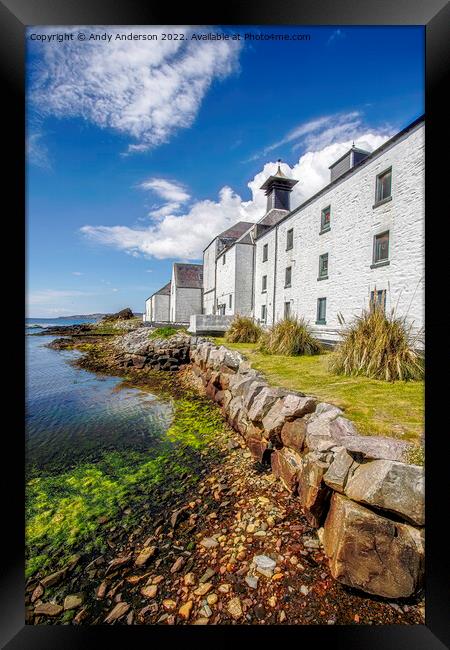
{"points": [[290, 337], [378, 346], [166, 332], [243, 330]]}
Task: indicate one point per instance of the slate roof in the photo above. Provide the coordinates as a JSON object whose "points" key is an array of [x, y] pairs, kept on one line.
{"points": [[164, 291], [231, 234], [188, 276]]}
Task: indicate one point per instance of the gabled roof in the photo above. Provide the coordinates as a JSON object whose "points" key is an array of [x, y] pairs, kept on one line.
{"points": [[232, 233], [164, 291], [188, 276]]}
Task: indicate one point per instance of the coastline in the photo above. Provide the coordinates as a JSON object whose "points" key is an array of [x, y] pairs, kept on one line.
{"points": [[213, 524]]}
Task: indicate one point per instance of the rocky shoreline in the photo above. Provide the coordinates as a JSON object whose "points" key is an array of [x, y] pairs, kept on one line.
{"points": [[234, 549]]}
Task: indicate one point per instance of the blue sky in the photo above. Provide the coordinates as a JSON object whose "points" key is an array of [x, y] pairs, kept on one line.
{"points": [[139, 152]]}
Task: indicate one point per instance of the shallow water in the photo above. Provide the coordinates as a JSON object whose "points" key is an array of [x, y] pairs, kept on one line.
{"points": [[73, 414]]}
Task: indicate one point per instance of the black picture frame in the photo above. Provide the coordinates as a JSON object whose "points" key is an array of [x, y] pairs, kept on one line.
{"points": [[15, 15]]}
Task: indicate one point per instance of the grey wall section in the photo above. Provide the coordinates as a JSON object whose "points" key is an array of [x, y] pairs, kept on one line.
{"points": [[187, 302]]}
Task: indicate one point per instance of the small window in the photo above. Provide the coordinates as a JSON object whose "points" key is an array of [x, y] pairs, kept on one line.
{"points": [[290, 239], [230, 300], [325, 219], [287, 309], [381, 247], [383, 186], [265, 252], [223, 258], [288, 276], [323, 266], [321, 311], [264, 283], [263, 313], [378, 298]]}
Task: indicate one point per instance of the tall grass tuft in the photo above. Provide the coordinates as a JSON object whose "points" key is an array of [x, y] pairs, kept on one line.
{"points": [[290, 337], [379, 346], [243, 330]]}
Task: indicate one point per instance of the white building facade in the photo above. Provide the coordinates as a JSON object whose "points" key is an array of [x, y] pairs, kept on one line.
{"points": [[186, 293], [157, 306], [363, 233]]}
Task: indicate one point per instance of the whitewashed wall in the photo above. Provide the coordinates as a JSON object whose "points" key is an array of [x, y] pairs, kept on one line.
{"points": [[349, 244], [187, 303], [209, 280], [243, 279], [226, 279], [160, 307]]}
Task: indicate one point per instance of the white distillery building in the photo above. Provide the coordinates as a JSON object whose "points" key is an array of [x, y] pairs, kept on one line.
{"points": [[362, 233], [186, 292], [157, 306]]}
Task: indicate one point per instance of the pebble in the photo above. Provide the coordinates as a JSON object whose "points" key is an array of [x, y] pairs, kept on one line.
{"points": [[169, 604], [201, 621], [212, 599], [264, 562], [117, 612], [252, 581], [234, 607], [150, 591], [189, 579], [224, 589], [209, 573], [304, 590], [145, 555], [209, 542], [73, 601], [48, 609], [203, 589], [185, 610], [176, 566]]}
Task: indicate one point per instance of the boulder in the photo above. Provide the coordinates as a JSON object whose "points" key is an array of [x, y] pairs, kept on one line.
{"points": [[233, 408], [372, 553], [312, 492], [286, 465], [123, 314], [323, 433], [293, 434], [227, 397], [328, 410], [258, 448], [254, 432], [377, 447], [252, 391], [392, 486], [287, 408], [239, 385], [263, 402], [336, 475]]}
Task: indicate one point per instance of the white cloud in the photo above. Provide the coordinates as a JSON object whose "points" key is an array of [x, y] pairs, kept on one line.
{"points": [[77, 273], [184, 236], [168, 190], [146, 90], [36, 150]]}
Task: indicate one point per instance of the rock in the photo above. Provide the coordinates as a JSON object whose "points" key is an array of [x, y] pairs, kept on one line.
{"points": [[101, 591], [37, 593], [117, 612], [304, 590], [252, 581], [201, 621], [209, 573], [234, 607], [378, 447], [239, 385], [212, 599], [370, 552], [53, 579], [286, 465], [224, 588], [392, 486], [262, 403], [123, 314], [176, 516], [312, 491], [144, 556], [189, 579], [48, 609], [117, 562], [288, 408], [73, 601], [149, 591], [185, 610], [203, 589], [336, 475], [206, 611], [293, 434], [169, 604], [330, 410], [252, 391], [258, 448], [264, 562], [209, 542], [176, 566]]}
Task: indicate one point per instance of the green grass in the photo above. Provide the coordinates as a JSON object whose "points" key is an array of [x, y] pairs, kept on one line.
{"points": [[62, 510], [166, 332], [375, 406]]}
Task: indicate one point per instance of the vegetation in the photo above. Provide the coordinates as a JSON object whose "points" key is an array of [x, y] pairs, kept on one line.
{"points": [[290, 337], [166, 332], [243, 330], [375, 406], [379, 346], [63, 510]]}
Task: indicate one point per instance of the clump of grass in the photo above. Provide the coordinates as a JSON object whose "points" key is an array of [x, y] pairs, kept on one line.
{"points": [[379, 346], [243, 330], [290, 337], [166, 332]]}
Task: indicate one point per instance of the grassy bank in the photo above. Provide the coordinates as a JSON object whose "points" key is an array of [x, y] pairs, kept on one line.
{"points": [[376, 407], [66, 512]]}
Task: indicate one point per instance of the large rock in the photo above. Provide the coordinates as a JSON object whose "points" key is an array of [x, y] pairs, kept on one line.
{"points": [[377, 447], [392, 486], [293, 434], [263, 402], [312, 491], [324, 433], [336, 475], [258, 448], [372, 553], [239, 385], [252, 391], [286, 465], [285, 409], [124, 314]]}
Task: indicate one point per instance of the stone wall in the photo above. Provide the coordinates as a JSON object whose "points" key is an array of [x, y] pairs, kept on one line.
{"points": [[359, 491]]}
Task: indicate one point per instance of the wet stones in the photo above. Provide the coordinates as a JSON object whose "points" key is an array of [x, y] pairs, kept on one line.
{"points": [[370, 552]]}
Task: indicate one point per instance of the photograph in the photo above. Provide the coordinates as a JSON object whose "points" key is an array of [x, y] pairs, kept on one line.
{"points": [[225, 325]]}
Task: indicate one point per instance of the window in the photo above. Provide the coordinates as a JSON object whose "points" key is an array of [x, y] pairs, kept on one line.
{"points": [[323, 266], [325, 219], [378, 298], [265, 252], [321, 311], [264, 283], [288, 276], [381, 248], [223, 258], [230, 300], [383, 186], [287, 309], [263, 313], [290, 239]]}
